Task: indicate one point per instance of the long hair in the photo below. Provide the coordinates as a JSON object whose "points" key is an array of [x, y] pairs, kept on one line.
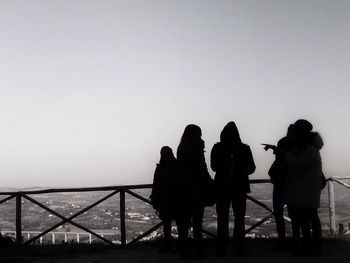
{"points": [[191, 142]]}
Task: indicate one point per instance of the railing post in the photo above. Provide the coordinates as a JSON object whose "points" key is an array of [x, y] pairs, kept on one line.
{"points": [[122, 218], [18, 219], [332, 225], [341, 229]]}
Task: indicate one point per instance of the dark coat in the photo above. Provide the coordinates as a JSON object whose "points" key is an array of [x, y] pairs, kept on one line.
{"points": [[278, 169], [233, 165], [165, 189], [194, 178], [304, 177]]}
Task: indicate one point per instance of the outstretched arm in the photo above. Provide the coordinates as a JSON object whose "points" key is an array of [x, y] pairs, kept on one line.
{"points": [[269, 146]]}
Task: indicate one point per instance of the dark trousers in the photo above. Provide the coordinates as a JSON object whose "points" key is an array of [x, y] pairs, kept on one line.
{"points": [[278, 209], [183, 225], [303, 220], [312, 219], [238, 203], [167, 229]]}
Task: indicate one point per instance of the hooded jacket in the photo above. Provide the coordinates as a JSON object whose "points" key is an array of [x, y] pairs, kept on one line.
{"points": [[233, 162], [304, 174]]}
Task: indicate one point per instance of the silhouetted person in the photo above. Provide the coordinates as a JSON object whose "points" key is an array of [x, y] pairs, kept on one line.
{"points": [[278, 173], [165, 190], [303, 186], [190, 154], [232, 161]]}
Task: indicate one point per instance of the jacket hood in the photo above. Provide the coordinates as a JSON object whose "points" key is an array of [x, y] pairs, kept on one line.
{"points": [[230, 134]]}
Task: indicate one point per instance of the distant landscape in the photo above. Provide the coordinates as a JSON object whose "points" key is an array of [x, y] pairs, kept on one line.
{"points": [[140, 216]]}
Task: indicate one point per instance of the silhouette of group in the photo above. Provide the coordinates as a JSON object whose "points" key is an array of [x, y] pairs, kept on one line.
{"points": [[183, 187]]}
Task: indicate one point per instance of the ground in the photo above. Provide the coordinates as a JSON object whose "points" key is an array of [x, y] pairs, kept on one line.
{"points": [[335, 250]]}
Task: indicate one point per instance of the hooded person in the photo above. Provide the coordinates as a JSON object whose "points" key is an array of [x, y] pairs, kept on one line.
{"points": [[303, 186], [233, 162]]}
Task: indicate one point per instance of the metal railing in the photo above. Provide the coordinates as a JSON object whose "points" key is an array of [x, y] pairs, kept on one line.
{"points": [[122, 191], [331, 200]]}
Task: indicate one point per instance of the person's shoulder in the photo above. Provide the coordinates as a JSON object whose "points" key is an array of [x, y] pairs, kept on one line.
{"points": [[283, 141], [245, 149], [244, 146], [216, 146], [158, 167]]}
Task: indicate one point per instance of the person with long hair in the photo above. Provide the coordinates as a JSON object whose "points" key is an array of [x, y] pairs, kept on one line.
{"points": [[194, 172], [232, 161]]}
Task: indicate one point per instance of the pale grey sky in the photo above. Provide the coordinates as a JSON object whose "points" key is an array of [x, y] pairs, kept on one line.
{"points": [[91, 89]]}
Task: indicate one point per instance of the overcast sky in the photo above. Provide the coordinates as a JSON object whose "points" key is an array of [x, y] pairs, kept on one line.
{"points": [[91, 90]]}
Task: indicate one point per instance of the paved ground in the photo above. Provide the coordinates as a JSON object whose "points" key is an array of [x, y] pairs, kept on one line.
{"points": [[335, 251]]}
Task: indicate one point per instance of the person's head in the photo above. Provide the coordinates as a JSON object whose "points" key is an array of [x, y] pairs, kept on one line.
{"points": [[299, 131], [191, 139], [230, 134], [191, 135], [191, 132], [302, 127], [166, 154]]}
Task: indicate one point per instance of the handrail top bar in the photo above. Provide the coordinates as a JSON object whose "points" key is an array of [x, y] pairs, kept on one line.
{"points": [[122, 187], [80, 189], [59, 233], [259, 181], [102, 188], [339, 178]]}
